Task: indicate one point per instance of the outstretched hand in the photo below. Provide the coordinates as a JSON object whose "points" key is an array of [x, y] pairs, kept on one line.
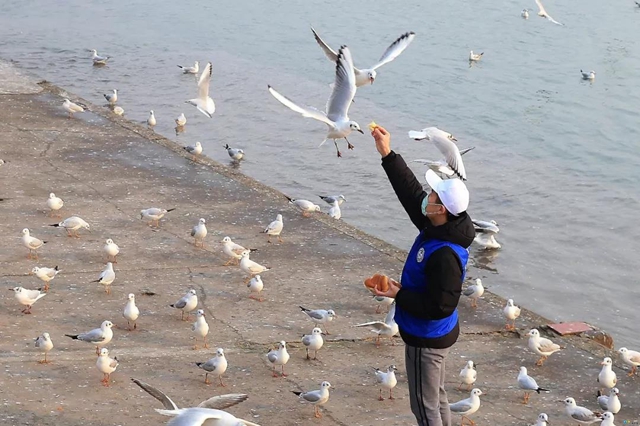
{"points": [[383, 140]]}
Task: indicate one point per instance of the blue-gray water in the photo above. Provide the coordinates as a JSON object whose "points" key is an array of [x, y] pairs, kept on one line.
{"points": [[556, 157]]}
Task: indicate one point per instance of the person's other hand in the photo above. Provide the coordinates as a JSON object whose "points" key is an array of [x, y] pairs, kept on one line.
{"points": [[392, 291], [383, 140]]}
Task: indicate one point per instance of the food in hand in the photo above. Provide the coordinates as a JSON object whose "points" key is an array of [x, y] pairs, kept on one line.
{"points": [[378, 281], [373, 126]]}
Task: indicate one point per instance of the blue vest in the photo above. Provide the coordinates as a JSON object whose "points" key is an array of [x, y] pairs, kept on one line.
{"points": [[414, 278]]}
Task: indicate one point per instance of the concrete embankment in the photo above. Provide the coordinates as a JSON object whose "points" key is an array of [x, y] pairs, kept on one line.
{"points": [[107, 169]]}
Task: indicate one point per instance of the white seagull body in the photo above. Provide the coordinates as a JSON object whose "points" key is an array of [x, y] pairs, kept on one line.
{"points": [[274, 228], [187, 303], [468, 375], [610, 403], [582, 415], [486, 234], [444, 141], [543, 13], [279, 357], [27, 297], [467, 406], [388, 328], [236, 154], [131, 311], [54, 203], [591, 75], [97, 59], [386, 380], [511, 313], [151, 121], [475, 57], [71, 108], [112, 98], [336, 117], [190, 70], [203, 102], [368, 75]]}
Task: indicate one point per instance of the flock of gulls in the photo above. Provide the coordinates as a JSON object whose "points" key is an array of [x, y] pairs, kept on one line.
{"points": [[347, 80]]}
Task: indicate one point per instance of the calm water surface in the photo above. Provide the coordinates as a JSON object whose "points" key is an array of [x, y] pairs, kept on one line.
{"points": [[556, 157]]}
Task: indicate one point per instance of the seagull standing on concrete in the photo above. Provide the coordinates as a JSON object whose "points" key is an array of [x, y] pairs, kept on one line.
{"points": [[45, 274], [511, 313], [27, 297], [528, 384], [106, 365], [187, 303], [280, 357], [72, 225], [32, 243], [320, 316], [250, 267], [631, 358], [336, 117], [305, 206], [200, 328], [71, 107], [203, 102], [112, 98], [541, 346], [334, 211], [131, 312], [112, 250], [107, 276], [610, 403], [316, 397], [607, 377], [255, 286], [233, 250], [98, 336], [153, 215], [54, 203], [386, 380], [313, 341], [44, 344], [194, 150], [216, 366], [199, 232], [274, 229], [474, 292], [467, 406], [582, 415], [468, 375]]}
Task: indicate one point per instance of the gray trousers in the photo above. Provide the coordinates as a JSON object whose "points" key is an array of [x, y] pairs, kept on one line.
{"points": [[425, 373]]}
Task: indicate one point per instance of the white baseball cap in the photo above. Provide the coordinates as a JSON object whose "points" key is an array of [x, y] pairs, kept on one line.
{"points": [[452, 192]]}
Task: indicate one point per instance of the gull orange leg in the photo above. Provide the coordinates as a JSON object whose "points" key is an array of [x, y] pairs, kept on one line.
{"points": [[221, 382], [206, 379], [390, 395], [316, 412], [541, 360]]}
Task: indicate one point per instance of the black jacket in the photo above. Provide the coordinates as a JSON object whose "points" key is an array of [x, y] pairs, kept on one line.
{"points": [[443, 267]]}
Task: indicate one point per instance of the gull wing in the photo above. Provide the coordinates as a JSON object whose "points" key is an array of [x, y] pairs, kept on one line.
{"points": [[395, 49], [547, 346], [377, 326], [582, 414], [469, 290], [312, 314], [179, 304], [306, 112], [329, 52], [451, 153], [95, 336], [221, 402], [464, 151], [344, 88], [157, 394], [312, 396], [203, 82], [461, 406]]}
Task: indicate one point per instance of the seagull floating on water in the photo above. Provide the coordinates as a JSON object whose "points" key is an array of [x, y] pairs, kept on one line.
{"points": [[236, 154], [190, 70], [485, 234], [475, 57], [588, 75], [112, 98], [525, 13], [97, 59], [336, 117], [368, 75]]}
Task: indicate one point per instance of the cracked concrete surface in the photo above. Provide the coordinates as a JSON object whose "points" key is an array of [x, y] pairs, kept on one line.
{"points": [[107, 169]]}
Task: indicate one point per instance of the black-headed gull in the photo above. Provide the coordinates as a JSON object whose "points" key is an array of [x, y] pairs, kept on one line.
{"points": [[44, 344], [97, 59], [274, 229], [320, 316], [151, 121], [98, 336], [467, 406], [543, 13], [131, 312], [194, 150], [32, 243], [250, 267], [528, 385], [525, 13], [388, 328], [591, 75], [511, 313], [199, 232], [255, 287], [215, 366], [190, 70], [474, 292], [27, 297], [330, 199], [313, 342], [316, 397], [106, 278], [153, 215], [486, 234], [444, 141], [280, 357], [55, 204], [305, 206], [187, 303], [368, 75], [441, 166], [607, 377], [200, 329], [72, 225], [45, 274], [541, 346], [386, 380], [112, 250], [181, 120], [468, 375], [236, 154], [336, 117], [106, 365], [112, 98], [475, 57], [543, 420], [203, 102], [582, 415], [71, 107], [233, 250], [631, 358], [611, 402]]}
